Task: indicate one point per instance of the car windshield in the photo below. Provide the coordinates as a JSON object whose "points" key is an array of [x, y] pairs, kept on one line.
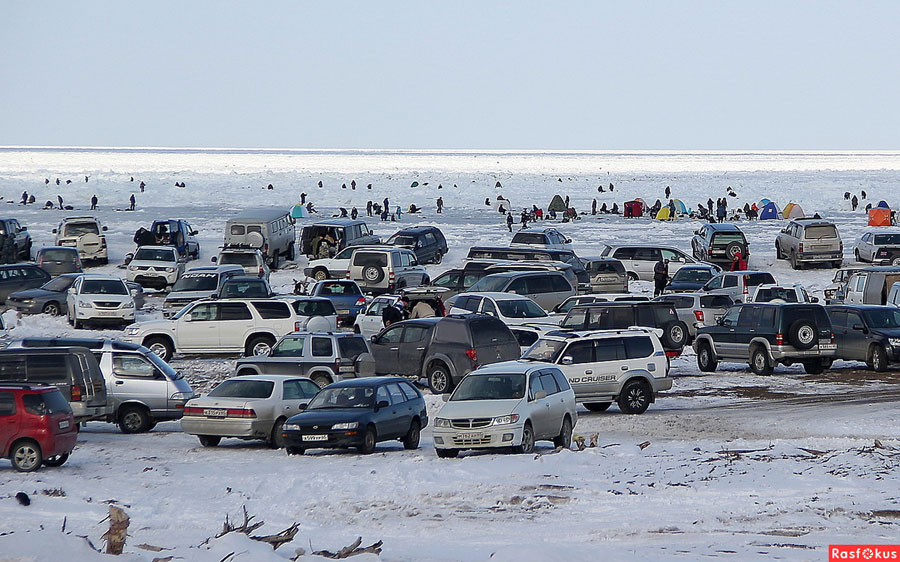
{"points": [[243, 259], [152, 254], [883, 318], [81, 228], [164, 367], [521, 308], [887, 239], [567, 305], [314, 308], [58, 255], [243, 389], [692, 275], [197, 282], [59, 284], [490, 387], [544, 350], [103, 287], [767, 294], [820, 232], [288, 347], [756, 279], [343, 397], [401, 240], [489, 284], [245, 289]]}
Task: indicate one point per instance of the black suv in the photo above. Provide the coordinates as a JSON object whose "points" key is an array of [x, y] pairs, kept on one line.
{"points": [[867, 333], [718, 243], [624, 315], [443, 350], [765, 334], [426, 242]]}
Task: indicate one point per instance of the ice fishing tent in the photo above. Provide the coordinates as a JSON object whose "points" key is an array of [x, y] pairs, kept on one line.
{"points": [[298, 212], [770, 211], [793, 211], [879, 216], [680, 207], [764, 201], [664, 214], [883, 205], [558, 204], [633, 209], [502, 205]]}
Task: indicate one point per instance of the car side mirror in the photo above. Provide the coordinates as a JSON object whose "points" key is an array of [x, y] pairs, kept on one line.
{"points": [[381, 404], [445, 397], [53, 231], [860, 328], [194, 233], [720, 321], [540, 394], [567, 360], [104, 229], [303, 405], [568, 240], [374, 339], [71, 290], [23, 229], [189, 317], [214, 259], [814, 299]]}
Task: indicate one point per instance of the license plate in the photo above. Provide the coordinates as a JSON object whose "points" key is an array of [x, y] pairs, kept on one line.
{"points": [[64, 424], [107, 313], [315, 438], [343, 311], [214, 413], [827, 346], [470, 436]]}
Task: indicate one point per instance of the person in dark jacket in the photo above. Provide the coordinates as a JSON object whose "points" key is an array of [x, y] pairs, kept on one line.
{"points": [[131, 202], [25, 197], [369, 208], [660, 276], [440, 205], [94, 203], [524, 219], [59, 199], [709, 205], [668, 192], [594, 207], [854, 202], [142, 186], [354, 214], [509, 221]]}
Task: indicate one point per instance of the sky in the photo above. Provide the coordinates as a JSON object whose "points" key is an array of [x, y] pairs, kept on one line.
{"points": [[634, 75]]}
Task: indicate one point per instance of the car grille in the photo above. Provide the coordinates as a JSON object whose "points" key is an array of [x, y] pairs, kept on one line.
{"points": [[141, 267], [178, 303], [470, 423], [106, 304], [471, 442]]}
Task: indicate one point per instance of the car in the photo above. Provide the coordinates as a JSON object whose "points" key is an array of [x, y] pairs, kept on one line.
{"points": [[522, 266], [565, 306], [342, 234], [509, 308], [21, 236], [57, 260], [867, 333], [87, 235], [508, 405], [607, 275], [427, 242], [14, 278], [628, 367], [245, 287], [531, 254], [767, 334], [251, 407], [457, 280], [738, 285], [232, 326], [527, 334], [142, 389], [251, 260], [49, 298], [331, 267], [835, 291], [358, 413], [546, 288], [346, 296], [893, 298], [871, 285], [878, 246], [314, 313], [384, 269], [810, 241], [99, 299], [690, 278], [198, 283], [549, 238], [323, 357], [781, 293], [624, 315], [696, 309], [442, 350], [370, 321], [176, 233], [719, 243], [271, 231], [639, 259], [157, 267], [36, 426]]}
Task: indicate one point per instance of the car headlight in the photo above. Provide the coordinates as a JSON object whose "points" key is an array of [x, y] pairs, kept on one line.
{"points": [[181, 396], [895, 342], [169, 270], [291, 427], [129, 304], [505, 420], [84, 304], [441, 422], [132, 268], [132, 331], [27, 301], [345, 425]]}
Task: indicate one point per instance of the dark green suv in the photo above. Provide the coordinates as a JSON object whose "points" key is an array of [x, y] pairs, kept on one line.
{"points": [[624, 315]]}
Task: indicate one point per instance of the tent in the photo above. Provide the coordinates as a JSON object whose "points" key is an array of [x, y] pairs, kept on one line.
{"points": [[503, 205], [793, 211], [633, 209], [769, 211], [879, 216], [298, 212], [883, 205], [558, 204], [680, 208], [663, 215]]}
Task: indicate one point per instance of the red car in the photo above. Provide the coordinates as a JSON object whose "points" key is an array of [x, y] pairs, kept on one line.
{"points": [[36, 426]]}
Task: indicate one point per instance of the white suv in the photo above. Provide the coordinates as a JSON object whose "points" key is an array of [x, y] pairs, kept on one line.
{"points": [[157, 267], [330, 268], [248, 326], [100, 299], [85, 234], [781, 293], [253, 261], [626, 366]]}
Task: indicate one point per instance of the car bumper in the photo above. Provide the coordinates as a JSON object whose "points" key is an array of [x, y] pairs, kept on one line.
{"points": [[59, 444], [484, 438], [83, 413], [153, 281], [102, 316], [809, 257], [661, 383], [783, 352], [196, 425], [333, 439], [33, 307]]}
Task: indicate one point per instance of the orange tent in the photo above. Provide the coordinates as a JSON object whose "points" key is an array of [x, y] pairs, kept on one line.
{"points": [[879, 217]]}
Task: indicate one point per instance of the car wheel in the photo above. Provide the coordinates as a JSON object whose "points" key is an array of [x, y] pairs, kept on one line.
{"points": [[259, 345], [411, 439], [802, 334], [794, 263], [368, 444], [527, 445], [733, 248], [438, 258], [564, 439], [161, 347], [674, 334], [209, 440], [134, 419], [276, 441], [321, 379], [597, 406], [813, 367], [292, 252], [856, 255], [51, 308], [58, 460], [320, 274], [778, 254], [439, 380], [26, 456], [372, 274], [877, 360], [759, 361], [634, 398], [705, 360], [295, 450], [447, 453], [355, 329]]}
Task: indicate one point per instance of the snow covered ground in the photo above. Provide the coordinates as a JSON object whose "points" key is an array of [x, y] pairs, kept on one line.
{"points": [[809, 474]]}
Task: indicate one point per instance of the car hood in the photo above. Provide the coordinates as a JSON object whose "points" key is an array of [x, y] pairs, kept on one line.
{"points": [[887, 332], [330, 416], [154, 264], [479, 408], [34, 294], [190, 295]]}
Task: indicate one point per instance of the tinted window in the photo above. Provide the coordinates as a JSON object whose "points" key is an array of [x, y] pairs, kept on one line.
{"points": [[820, 232], [7, 404], [638, 347], [12, 368], [749, 316], [410, 392], [535, 385], [234, 311], [321, 347], [272, 309], [524, 337], [580, 352], [561, 381], [559, 284], [791, 314], [414, 333], [288, 347], [575, 319], [646, 254], [352, 346], [49, 367], [378, 259], [382, 395], [471, 304], [623, 253], [729, 281], [447, 280], [293, 391], [609, 349], [103, 287], [451, 331], [45, 403], [715, 301], [488, 331], [335, 289], [237, 229], [838, 318], [754, 279], [325, 308], [391, 335], [237, 388], [549, 383], [256, 288]]}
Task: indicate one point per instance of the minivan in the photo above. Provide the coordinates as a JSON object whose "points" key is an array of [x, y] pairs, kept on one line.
{"points": [[271, 231], [871, 285], [343, 232], [533, 254], [739, 285]]}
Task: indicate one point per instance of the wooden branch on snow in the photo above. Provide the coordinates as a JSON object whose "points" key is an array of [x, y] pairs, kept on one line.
{"points": [[246, 527], [118, 530], [351, 550], [280, 538]]}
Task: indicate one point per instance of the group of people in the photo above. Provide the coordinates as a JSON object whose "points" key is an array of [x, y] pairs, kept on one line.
{"points": [[400, 311]]}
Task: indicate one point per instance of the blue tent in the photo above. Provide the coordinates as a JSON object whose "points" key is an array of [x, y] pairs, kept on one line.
{"points": [[883, 205], [680, 208], [770, 211], [298, 212]]}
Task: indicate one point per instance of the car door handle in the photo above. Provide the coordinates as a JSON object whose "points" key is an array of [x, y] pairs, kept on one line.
{"points": [[120, 382], [420, 349], [588, 372], [394, 348], [624, 367]]}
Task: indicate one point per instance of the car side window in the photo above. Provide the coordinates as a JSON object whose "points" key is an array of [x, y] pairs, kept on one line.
{"points": [[838, 318], [638, 347], [132, 366], [749, 317], [272, 309], [730, 281], [489, 307], [470, 279], [321, 347], [391, 335], [309, 389], [624, 253], [535, 385], [539, 284], [518, 287], [714, 283], [204, 312], [409, 391], [576, 318], [7, 404], [413, 334], [382, 395], [609, 349], [549, 383], [853, 319], [731, 317], [397, 396], [647, 254], [447, 280], [293, 391], [234, 311], [471, 304], [561, 381], [580, 352]]}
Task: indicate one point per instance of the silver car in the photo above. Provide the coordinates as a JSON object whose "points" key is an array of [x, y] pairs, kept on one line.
{"points": [[809, 241], [739, 285], [547, 288], [698, 310]]}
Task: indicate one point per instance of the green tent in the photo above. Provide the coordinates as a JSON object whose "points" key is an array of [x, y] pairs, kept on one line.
{"points": [[558, 204]]}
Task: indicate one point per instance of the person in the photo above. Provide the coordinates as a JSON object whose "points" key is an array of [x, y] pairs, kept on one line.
{"points": [[398, 212], [660, 276], [411, 210], [343, 186], [847, 195], [854, 202], [668, 192], [369, 208], [387, 204], [326, 244], [57, 181], [594, 207], [567, 201], [9, 248], [142, 186], [391, 314], [24, 197], [422, 310], [552, 215], [94, 203], [303, 198], [320, 183], [509, 221], [615, 209], [603, 209], [539, 214], [85, 179], [31, 199], [270, 187], [440, 205], [611, 187], [352, 184], [131, 202], [863, 193], [354, 213], [600, 189], [47, 182], [60, 200], [487, 203], [738, 263], [343, 213], [721, 212], [310, 208], [524, 219]]}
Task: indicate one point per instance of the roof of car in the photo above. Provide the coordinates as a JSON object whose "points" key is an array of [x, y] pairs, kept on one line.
{"points": [[245, 279], [598, 333], [367, 381], [620, 303], [70, 219], [743, 272], [723, 227], [90, 343], [101, 276], [36, 387], [239, 249], [863, 306], [326, 334], [266, 377], [252, 215], [697, 266], [882, 231], [535, 230], [416, 229], [809, 221], [57, 248], [214, 268], [338, 222], [514, 367], [524, 273], [497, 296], [154, 247]]}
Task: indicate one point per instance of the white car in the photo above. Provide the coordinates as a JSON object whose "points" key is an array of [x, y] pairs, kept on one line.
{"points": [[253, 261], [509, 404], [314, 314], [85, 234], [781, 293], [549, 238], [511, 308], [867, 246], [330, 268], [233, 326], [527, 334], [157, 267], [99, 299]]}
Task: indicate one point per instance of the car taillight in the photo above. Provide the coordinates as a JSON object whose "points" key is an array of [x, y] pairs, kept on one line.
{"points": [[296, 326], [443, 309], [698, 314], [832, 337], [77, 393], [472, 355], [800, 247], [193, 411], [361, 301], [103, 242], [779, 339], [240, 413], [261, 272]]}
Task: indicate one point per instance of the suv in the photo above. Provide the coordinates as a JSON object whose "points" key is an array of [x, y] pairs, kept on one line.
{"points": [[542, 238], [719, 243], [458, 280], [531, 254], [881, 247], [383, 269], [323, 357], [36, 426], [208, 326], [176, 233], [639, 259], [271, 231], [739, 285], [624, 315], [427, 242], [510, 308], [251, 260], [86, 234], [607, 275], [781, 293], [344, 232], [369, 321], [21, 234], [837, 289], [155, 267], [58, 260], [867, 333], [346, 297], [99, 299], [767, 334], [14, 278], [198, 283], [330, 268], [547, 288], [443, 350], [807, 241], [698, 310], [624, 366], [241, 287]]}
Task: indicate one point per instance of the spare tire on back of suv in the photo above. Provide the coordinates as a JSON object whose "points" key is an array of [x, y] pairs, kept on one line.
{"points": [[803, 334], [732, 248], [675, 334], [373, 274]]}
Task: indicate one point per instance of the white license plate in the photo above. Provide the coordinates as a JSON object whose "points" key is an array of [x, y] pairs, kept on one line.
{"points": [[107, 313], [214, 413], [470, 436], [315, 438], [827, 346], [64, 424], [343, 311]]}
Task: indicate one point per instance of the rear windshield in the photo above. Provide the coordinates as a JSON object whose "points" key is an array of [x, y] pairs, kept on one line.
{"points": [[887, 239], [242, 259], [767, 294], [529, 238], [692, 275], [81, 228], [378, 259], [339, 289], [451, 331], [715, 301], [606, 267], [46, 403], [401, 240], [725, 238], [793, 313], [243, 389], [197, 282], [151, 254], [314, 308], [755, 279], [820, 232], [245, 289], [103, 287], [352, 346], [59, 255]]}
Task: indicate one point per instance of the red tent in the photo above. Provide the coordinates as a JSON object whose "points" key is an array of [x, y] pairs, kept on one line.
{"points": [[633, 209], [879, 216]]}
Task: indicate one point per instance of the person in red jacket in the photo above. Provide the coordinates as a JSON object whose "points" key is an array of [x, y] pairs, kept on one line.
{"points": [[738, 263]]}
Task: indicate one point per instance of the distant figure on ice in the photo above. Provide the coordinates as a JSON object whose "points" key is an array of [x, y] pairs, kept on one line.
{"points": [[354, 213], [854, 202], [94, 203], [863, 193], [57, 181], [24, 197], [46, 181], [369, 208], [270, 187], [440, 205], [600, 189], [524, 219], [142, 186], [60, 200], [131, 202], [509, 221], [668, 192], [303, 198], [343, 213]]}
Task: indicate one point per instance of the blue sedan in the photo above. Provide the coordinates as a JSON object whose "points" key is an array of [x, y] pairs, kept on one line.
{"points": [[691, 278], [358, 413]]}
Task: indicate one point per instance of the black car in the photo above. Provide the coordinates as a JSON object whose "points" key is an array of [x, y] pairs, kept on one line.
{"points": [[623, 315], [358, 413], [867, 333], [427, 242], [22, 237], [20, 277], [718, 243], [245, 287], [690, 278]]}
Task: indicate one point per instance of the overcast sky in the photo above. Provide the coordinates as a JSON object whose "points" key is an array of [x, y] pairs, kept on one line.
{"points": [[480, 74]]}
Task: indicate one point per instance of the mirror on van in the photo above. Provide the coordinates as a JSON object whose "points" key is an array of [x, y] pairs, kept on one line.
{"points": [[194, 233], [104, 229], [214, 259]]}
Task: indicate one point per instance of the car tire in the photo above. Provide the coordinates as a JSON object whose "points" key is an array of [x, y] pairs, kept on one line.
{"points": [[778, 254], [877, 359], [52, 308], [369, 441], [675, 333], [25, 455], [356, 329], [813, 367], [447, 453], [292, 252], [295, 450], [706, 361], [527, 445], [58, 460], [209, 440], [635, 397], [411, 439], [276, 441], [259, 345], [438, 258], [439, 379], [134, 419], [162, 347], [856, 256], [802, 334], [564, 439], [759, 361], [320, 274], [597, 406], [372, 274], [321, 379], [794, 263]]}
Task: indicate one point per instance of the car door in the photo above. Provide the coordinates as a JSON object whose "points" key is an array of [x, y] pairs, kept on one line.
{"points": [[9, 421], [540, 415], [841, 335], [386, 350], [413, 344], [556, 404], [370, 322], [340, 263], [746, 329], [401, 412], [136, 378], [577, 363], [198, 329], [724, 334], [857, 342], [383, 417], [235, 321], [293, 396], [644, 261]]}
